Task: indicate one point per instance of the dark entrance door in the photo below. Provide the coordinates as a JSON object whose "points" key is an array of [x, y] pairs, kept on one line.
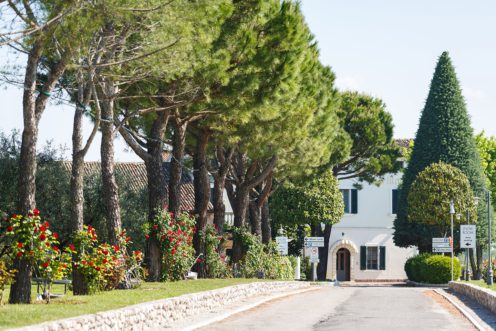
{"points": [[343, 264]]}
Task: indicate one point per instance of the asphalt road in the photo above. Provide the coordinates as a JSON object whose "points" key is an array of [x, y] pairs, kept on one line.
{"points": [[350, 308]]}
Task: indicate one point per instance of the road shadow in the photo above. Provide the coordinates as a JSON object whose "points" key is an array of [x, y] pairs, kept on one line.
{"points": [[484, 314]]}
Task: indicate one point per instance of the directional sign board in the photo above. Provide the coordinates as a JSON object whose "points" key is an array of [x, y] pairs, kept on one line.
{"points": [[314, 254], [314, 241], [282, 245], [441, 245], [467, 236]]}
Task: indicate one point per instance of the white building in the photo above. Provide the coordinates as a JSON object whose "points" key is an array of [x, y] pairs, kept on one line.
{"points": [[361, 246]]}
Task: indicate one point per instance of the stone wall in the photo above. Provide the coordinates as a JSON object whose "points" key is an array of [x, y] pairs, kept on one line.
{"points": [[483, 296], [158, 314]]}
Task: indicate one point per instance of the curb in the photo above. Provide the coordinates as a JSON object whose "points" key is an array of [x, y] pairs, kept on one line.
{"points": [[474, 322], [245, 308], [411, 283]]}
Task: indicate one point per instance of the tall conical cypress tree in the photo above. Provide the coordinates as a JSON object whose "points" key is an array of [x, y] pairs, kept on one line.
{"points": [[444, 134]]}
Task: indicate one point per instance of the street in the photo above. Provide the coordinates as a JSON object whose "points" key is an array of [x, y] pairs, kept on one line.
{"points": [[351, 308]]}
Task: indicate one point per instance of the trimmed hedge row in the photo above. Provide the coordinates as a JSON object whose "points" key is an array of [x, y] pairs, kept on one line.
{"points": [[432, 269]]}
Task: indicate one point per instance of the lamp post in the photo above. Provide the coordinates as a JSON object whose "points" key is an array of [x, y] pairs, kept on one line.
{"points": [[452, 213]]}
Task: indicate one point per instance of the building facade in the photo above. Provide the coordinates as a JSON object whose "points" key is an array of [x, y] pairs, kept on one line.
{"points": [[361, 246]]}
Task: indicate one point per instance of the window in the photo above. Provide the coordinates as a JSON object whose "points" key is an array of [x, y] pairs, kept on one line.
{"points": [[394, 202], [372, 258], [350, 199]]}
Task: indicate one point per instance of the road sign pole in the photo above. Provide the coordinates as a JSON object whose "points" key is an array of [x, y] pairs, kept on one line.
{"points": [[314, 271], [452, 248]]}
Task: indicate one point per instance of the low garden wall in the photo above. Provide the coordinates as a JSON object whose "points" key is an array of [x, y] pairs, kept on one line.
{"points": [[483, 296], [158, 314]]}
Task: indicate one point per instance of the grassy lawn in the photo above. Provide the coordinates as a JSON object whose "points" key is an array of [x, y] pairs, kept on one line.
{"points": [[482, 283], [69, 305]]}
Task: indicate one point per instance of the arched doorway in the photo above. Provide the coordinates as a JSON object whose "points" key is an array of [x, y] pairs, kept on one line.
{"points": [[343, 265]]}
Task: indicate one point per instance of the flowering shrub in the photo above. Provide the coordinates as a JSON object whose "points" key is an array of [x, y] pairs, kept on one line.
{"points": [[175, 235], [30, 238], [103, 266], [216, 266]]}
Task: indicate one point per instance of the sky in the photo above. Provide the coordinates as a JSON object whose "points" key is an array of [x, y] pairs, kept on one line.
{"points": [[385, 48]]}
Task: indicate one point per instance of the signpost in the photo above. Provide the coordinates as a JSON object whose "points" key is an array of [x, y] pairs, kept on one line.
{"points": [[282, 245], [314, 243], [467, 236], [441, 245]]}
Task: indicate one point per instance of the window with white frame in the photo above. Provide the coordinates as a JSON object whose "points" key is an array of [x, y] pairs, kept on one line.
{"points": [[350, 199], [372, 258]]}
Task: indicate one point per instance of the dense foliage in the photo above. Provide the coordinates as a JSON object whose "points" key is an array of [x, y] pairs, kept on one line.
{"points": [[432, 269], [433, 190], [444, 134]]}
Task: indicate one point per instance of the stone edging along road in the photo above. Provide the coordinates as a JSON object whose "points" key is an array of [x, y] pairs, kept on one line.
{"points": [[161, 313], [483, 296]]}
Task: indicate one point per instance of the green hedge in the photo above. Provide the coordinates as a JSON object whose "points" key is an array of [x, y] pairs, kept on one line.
{"points": [[432, 269]]}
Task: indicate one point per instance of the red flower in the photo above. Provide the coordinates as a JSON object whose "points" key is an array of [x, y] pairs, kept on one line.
{"points": [[47, 224], [19, 245], [147, 237], [10, 228], [84, 262], [47, 244], [19, 254], [56, 248], [128, 239], [173, 251], [116, 248], [55, 235], [105, 252], [71, 246], [14, 216], [97, 268], [171, 214], [36, 212], [42, 237], [91, 263], [90, 228], [45, 265], [42, 228], [155, 226], [65, 265], [104, 261], [137, 253]]}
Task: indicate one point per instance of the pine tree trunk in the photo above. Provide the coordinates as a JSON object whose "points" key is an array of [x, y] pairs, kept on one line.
{"points": [[178, 143], [20, 289], [255, 218], [157, 192], [324, 254], [240, 209], [224, 161], [266, 228], [77, 196], [109, 184], [202, 197]]}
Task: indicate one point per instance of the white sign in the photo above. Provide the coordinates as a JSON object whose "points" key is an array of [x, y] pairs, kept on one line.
{"points": [[282, 245], [314, 241], [314, 254], [441, 245], [441, 249], [467, 236]]}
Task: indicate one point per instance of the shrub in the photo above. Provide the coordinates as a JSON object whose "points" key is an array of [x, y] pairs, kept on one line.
{"points": [[6, 276], [175, 235], [103, 266], [485, 268], [216, 266], [30, 238], [433, 269], [262, 261]]}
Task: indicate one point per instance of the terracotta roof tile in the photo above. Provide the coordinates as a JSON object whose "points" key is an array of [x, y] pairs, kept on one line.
{"points": [[135, 173]]}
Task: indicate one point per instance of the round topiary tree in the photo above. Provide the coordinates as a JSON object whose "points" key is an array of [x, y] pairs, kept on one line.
{"points": [[430, 195]]}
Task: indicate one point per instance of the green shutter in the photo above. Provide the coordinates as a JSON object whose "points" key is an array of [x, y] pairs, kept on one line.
{"points": [[382, 257], [354, 201], [363, 257]]}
